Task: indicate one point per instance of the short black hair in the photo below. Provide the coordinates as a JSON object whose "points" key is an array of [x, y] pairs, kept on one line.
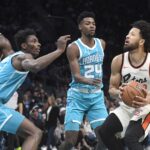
{"points": [[85, 14], [144, 28], [22, 35]]}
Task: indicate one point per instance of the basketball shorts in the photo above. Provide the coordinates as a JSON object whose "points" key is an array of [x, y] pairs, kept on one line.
{"points": [[79, 104], [126, 114], [10, 120]]}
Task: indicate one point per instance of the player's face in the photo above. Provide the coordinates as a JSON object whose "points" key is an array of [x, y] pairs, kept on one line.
{"points": [[32, 45], [132, 40], [88, 27]]}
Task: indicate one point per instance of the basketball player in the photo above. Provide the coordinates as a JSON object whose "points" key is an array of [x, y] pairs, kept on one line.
{"points": [[127, 122], [6, 49], [13, 71], [84, 96]]}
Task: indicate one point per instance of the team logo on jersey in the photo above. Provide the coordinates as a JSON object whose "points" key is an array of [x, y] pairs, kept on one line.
{"points": [[95, 58], [129, 77]]}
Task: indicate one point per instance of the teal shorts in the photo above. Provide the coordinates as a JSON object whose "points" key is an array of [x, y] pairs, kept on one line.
{"points": [[10, 120], [79, 104]]}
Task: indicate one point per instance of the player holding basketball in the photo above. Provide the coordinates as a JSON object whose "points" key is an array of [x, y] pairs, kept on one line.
{"points": [[13, 71], [85, 96], [128, 121]]}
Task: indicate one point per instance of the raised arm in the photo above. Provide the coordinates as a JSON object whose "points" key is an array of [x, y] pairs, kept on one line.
{"points": [[27, 62]]}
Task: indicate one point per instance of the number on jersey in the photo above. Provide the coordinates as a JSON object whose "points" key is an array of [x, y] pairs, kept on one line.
{"points": [[92, 70]]}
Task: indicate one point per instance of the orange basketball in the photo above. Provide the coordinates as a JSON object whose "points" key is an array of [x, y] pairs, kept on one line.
{"points": [[131, 90]]}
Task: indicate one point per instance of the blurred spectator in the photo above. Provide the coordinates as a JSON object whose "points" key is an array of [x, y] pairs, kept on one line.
{"points": [[27, 100], [52, 116]]}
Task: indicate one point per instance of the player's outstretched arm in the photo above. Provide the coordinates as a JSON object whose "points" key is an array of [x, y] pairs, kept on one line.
{"points": [[35, 65]]}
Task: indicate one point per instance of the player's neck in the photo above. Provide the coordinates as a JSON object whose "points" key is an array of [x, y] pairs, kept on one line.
{"points": [[88, 41], [137, 56]]}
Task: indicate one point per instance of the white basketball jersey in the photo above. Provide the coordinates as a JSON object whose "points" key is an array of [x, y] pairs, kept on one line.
{"points": [[140, 74]]}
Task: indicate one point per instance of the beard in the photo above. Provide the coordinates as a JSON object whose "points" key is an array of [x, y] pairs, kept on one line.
{"points": [[90, 35], [130, 47]]}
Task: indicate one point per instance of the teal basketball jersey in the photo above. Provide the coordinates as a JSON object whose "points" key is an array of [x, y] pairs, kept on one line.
{"points": [[90, 62], [10, 78]]}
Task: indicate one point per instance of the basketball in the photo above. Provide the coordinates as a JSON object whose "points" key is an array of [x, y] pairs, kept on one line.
{"points": [[131, 90]]}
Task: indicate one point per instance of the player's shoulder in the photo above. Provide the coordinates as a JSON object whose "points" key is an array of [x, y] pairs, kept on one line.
{"points": [[72, 46], [22, 56], [102, 42], [118, 60], [72, 50], [118, 57]]}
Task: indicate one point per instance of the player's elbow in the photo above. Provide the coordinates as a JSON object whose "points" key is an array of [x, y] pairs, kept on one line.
{"points": [[110, 92], [31, 66], [114, 93], [35, 68], [77, 78]]}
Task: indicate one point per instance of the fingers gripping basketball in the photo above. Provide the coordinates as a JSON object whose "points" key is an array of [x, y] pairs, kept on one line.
{"points": [[131, 90]]}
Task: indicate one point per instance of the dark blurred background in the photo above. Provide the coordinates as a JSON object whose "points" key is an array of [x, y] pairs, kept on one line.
{"points": [[52, 18]]}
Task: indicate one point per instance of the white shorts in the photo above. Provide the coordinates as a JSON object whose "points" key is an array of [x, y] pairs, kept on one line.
{"points": [[126, 114]]}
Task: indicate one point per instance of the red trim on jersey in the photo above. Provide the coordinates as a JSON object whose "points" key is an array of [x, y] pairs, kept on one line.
{"points": [[146, 122], [140, 64]]}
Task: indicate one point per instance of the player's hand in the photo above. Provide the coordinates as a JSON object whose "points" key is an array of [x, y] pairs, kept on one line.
{"points": [[140, 101], [95, 82], [62, 42], [121, 88]]}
